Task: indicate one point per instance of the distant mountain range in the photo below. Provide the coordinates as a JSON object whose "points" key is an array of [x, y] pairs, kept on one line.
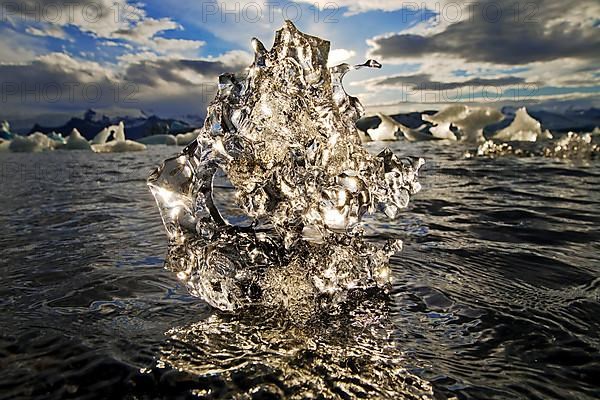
{"points": [[569, 120], [135, 127], [143, 125]]}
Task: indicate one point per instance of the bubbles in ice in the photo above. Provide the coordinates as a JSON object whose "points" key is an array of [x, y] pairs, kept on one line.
{"points": [[284, 140]]}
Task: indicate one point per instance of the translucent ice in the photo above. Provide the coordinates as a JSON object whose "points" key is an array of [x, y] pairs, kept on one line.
{"points": [[283, 138]]}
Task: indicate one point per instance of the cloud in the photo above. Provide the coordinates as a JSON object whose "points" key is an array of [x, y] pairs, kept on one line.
{"points": [[105, 19], [47, 31], [545, 31], [16, 47], [425, 82], [338, 56], [60, 82]]}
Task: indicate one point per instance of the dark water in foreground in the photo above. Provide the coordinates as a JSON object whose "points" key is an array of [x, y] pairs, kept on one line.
{"points": [[496, 293]]}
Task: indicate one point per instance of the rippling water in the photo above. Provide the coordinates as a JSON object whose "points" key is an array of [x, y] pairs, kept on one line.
{"points": [[496, 293]]}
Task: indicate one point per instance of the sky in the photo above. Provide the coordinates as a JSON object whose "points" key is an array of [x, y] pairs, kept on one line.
{"points": [[61, 57]]}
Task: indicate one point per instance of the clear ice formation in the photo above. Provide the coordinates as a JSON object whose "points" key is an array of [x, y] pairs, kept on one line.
{"points": [[284, 140]]}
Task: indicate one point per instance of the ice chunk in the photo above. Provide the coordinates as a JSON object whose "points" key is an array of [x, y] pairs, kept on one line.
{"points": [[119, 144], [469, 120], [76, 141], [101, 137], [386, 130], [443, 131], [389, 127], [571, 146], [34, 143], [523, 128], [183, 139], [284, 136], [5, 132], [57, 138]]}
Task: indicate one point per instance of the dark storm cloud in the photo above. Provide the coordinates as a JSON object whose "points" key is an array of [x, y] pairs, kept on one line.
{"points": [[59, 82], [150, 72], [542, 32], [424, 81]]}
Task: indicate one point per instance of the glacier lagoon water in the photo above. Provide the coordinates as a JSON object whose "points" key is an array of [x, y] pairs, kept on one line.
{"points": [[495, 294]]}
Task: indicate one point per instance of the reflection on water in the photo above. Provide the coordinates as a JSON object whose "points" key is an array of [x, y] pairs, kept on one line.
{"points": [[495, 295], [256, 354]]}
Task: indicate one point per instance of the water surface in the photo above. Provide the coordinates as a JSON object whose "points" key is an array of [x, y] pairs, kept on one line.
{"points": [[496, 292]]}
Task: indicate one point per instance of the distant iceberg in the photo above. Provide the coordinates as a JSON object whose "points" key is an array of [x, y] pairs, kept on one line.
{"points": [[119, 144], [469, 120], [183, 139], [76, 141], [5, 132], [524, 128], [34, 143]]}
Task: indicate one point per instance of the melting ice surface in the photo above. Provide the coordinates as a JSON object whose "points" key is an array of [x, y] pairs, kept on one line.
{"points": [[284, 139]]}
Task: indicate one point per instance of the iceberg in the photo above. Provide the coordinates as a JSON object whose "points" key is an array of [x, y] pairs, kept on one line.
{"points": [[469, 120], [284, 140], [76, 141], [524, 128], [389, 127], [34, 143], [442, 131], [183, 139], [101, 137], [5, 132], [57, 138], [168, 140], [119, 144], [386, 130]]}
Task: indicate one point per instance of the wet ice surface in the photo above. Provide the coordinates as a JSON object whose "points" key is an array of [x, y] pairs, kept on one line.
{"points": [[284, 140], [495, 294]]}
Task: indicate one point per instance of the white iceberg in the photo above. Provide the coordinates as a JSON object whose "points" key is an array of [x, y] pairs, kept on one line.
{"points": [[183, 139], [168, 140], [101, 137], [119, 144], [389, 127], [34, 143], [386, 130], [524, 128], [76, 141], [443, 132], [469, 120]]}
